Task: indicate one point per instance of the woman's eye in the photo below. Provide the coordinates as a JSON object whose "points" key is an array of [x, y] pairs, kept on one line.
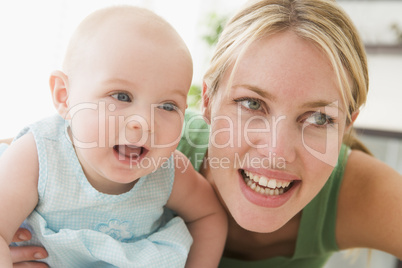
{"points": [[250, 104], [121, 97], [319, 119], [168, 107]]}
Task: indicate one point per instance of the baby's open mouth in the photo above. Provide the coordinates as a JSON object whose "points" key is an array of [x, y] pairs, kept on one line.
{"points": [[264, 185], [130, 151]]}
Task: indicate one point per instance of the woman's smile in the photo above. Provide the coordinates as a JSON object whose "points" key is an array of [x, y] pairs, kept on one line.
{"points": [[281, 116], [264, 185], [267, 191]]}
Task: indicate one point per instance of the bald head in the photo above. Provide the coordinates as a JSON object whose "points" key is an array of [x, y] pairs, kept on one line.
{"points": [[116, 28]]}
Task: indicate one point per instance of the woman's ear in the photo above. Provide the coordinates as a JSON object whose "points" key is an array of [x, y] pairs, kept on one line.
{"points": [[59, 89], [205, 104], [353, 117]]}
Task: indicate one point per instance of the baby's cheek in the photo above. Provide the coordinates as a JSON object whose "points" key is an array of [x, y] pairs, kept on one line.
{"points": [[88, 128], [166, 132]]}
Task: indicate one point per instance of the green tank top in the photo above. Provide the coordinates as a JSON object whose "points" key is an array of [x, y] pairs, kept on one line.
{"points": [[316, 236], [194, 138]]}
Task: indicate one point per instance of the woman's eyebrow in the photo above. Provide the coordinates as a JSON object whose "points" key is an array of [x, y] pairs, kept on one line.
{"points": [[311, 104], [259, 91], [322, 103]]}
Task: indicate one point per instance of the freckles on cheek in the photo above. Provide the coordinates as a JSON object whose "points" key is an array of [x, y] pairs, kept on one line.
{"points": [[322, 149], [256, 132], [222, 134], [313, 142]]}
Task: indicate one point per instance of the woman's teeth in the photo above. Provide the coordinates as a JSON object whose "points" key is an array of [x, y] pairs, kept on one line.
{"points": [[264, 185]]}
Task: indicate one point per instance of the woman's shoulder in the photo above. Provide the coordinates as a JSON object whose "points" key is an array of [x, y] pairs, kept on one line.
{"points": [[369, 205], [369, 175]]}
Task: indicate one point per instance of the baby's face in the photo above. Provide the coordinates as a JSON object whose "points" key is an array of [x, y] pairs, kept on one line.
{"points": [[128, 97]]}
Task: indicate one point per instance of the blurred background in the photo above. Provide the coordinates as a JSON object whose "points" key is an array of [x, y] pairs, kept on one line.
{"points": [[34, 35]]}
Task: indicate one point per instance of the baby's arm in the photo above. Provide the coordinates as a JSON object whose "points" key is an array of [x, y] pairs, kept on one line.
{"points": [[7, 141], [18, 190], [195, 201]]}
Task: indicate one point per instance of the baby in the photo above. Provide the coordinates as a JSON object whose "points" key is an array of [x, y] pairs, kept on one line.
{"points": [[95, 179]]}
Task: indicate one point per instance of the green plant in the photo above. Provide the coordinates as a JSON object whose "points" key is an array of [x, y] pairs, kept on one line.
{"points": [[215, 24], [213, 27], [194, 96]]}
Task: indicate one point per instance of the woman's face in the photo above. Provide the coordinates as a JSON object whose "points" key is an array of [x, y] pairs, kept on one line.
{"points": [[276, 132]]}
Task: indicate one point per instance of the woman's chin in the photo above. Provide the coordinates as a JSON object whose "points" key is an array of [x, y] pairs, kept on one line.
{"points": [[259, 222]]}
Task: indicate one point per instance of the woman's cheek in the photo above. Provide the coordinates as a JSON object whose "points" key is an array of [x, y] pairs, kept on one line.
{"points": [[222, 133], [256, 132], [322, 145]]}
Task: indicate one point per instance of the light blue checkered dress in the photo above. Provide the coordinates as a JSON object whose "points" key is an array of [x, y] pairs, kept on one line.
{"points": [[81, 227]]}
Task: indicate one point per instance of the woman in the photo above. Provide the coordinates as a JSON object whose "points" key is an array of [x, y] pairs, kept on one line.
{"points": [[283, 89]]}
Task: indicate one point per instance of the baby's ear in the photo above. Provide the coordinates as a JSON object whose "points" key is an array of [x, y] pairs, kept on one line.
{"points": [[59, 89]]}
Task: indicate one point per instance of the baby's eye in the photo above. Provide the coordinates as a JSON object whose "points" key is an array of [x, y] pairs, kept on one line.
{"points": [[251, 104], [168, 107], [121, 97], [319, 119]]}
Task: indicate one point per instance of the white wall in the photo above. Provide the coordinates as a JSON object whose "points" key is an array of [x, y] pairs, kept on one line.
{"points": [[373, 20], [34, 35]]}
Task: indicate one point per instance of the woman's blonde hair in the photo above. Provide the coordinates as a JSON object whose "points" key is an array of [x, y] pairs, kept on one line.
{"points": [[322, 22]]}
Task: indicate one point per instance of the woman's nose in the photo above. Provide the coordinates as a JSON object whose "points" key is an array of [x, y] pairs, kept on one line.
{"points": [[280, 141]]}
